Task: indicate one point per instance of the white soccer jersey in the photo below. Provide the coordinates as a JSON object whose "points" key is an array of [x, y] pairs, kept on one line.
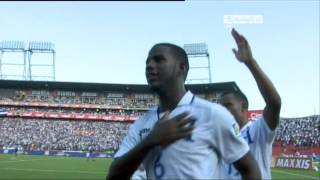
{"points": [[139, 175], [198, 156], [260, 138]]}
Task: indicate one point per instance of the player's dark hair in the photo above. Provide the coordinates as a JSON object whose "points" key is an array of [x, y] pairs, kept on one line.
{"points": [[240, 96]]}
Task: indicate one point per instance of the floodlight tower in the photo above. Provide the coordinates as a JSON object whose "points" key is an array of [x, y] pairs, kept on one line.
{"points": [[12, 47], [198, 50], [41, 47]]}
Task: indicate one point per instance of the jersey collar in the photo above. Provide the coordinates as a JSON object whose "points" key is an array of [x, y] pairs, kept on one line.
{"points": [[186, 99], [245, 126]]}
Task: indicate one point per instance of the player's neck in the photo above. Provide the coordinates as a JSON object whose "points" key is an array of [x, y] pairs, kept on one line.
{"points": [[243, 123], [170, 99]]}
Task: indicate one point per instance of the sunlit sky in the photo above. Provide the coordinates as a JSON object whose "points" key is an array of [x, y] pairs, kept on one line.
{"points": [[108, 42]]}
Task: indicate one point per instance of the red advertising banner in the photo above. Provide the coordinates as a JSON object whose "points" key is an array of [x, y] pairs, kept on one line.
{"points": [[45, 104], [293, 163], [76, 116], [254, 114]]}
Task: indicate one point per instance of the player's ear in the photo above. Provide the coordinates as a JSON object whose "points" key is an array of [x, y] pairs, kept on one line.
{"points": [[183, 68], [243, 107]]}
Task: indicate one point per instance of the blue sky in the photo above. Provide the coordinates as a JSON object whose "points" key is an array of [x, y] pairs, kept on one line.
{"points": [[108, 42]]}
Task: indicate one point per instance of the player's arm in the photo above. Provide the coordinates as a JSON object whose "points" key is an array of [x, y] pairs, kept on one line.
{"points": [[248, 167], [270, 95], [124, 166], [165, 131], [232, 148]]}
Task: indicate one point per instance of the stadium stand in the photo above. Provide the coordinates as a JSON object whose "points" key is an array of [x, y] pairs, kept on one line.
{"points": [[61, 116], [298, 136], [56, 116]]}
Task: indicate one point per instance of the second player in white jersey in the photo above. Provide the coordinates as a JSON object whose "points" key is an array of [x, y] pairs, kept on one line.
{"points": [[259, 137], [260, 133]]}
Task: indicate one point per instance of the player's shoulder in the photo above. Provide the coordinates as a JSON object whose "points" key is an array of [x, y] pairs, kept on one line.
{"points": [[257, 122], [212, 107], [261, 123], [149, 114], [255, 125], [146, 118]]}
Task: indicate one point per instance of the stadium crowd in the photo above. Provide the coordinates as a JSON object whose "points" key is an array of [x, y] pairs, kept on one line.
{"points": [[300, 132], [33, 134], [91, 111], [112, 99]]}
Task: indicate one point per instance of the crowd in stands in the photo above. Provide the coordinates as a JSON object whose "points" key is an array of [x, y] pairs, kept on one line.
{"points": [[34, 134], [42, 134], [90, 111], [49, 134], [300, 132], [123, 100]]}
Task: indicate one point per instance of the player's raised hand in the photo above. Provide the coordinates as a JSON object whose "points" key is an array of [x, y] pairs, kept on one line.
{"points": [[167, 131], [243, 54]]}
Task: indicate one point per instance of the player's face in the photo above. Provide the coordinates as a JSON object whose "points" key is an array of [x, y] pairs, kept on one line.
{"points": [[161, 67], [233, 105]]}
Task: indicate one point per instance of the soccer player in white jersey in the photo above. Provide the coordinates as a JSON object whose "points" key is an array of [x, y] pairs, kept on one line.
{"points": [[260, 133], [185, 137]]}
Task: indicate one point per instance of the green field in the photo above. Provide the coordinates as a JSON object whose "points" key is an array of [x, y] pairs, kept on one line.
{"points": [[53, 167]]}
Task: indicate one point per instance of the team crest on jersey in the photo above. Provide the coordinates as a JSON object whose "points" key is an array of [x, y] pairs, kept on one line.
{"points": [[143, 132], [236, 129]]}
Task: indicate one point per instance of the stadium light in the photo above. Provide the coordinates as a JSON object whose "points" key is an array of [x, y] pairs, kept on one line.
{"points": [[12, 45], [33, 47], [196, 48], [41, 46]]}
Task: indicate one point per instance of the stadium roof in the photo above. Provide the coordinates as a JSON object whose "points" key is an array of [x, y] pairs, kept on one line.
{"points": [[103, 87]]}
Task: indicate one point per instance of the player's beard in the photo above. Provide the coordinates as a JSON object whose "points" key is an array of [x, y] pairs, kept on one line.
{"points": [[156, 89], [163, 84]]}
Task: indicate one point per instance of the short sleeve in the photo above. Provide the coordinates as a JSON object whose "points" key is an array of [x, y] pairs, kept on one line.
{"points": [[261, 127], [226, 136], [130, 140]]}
